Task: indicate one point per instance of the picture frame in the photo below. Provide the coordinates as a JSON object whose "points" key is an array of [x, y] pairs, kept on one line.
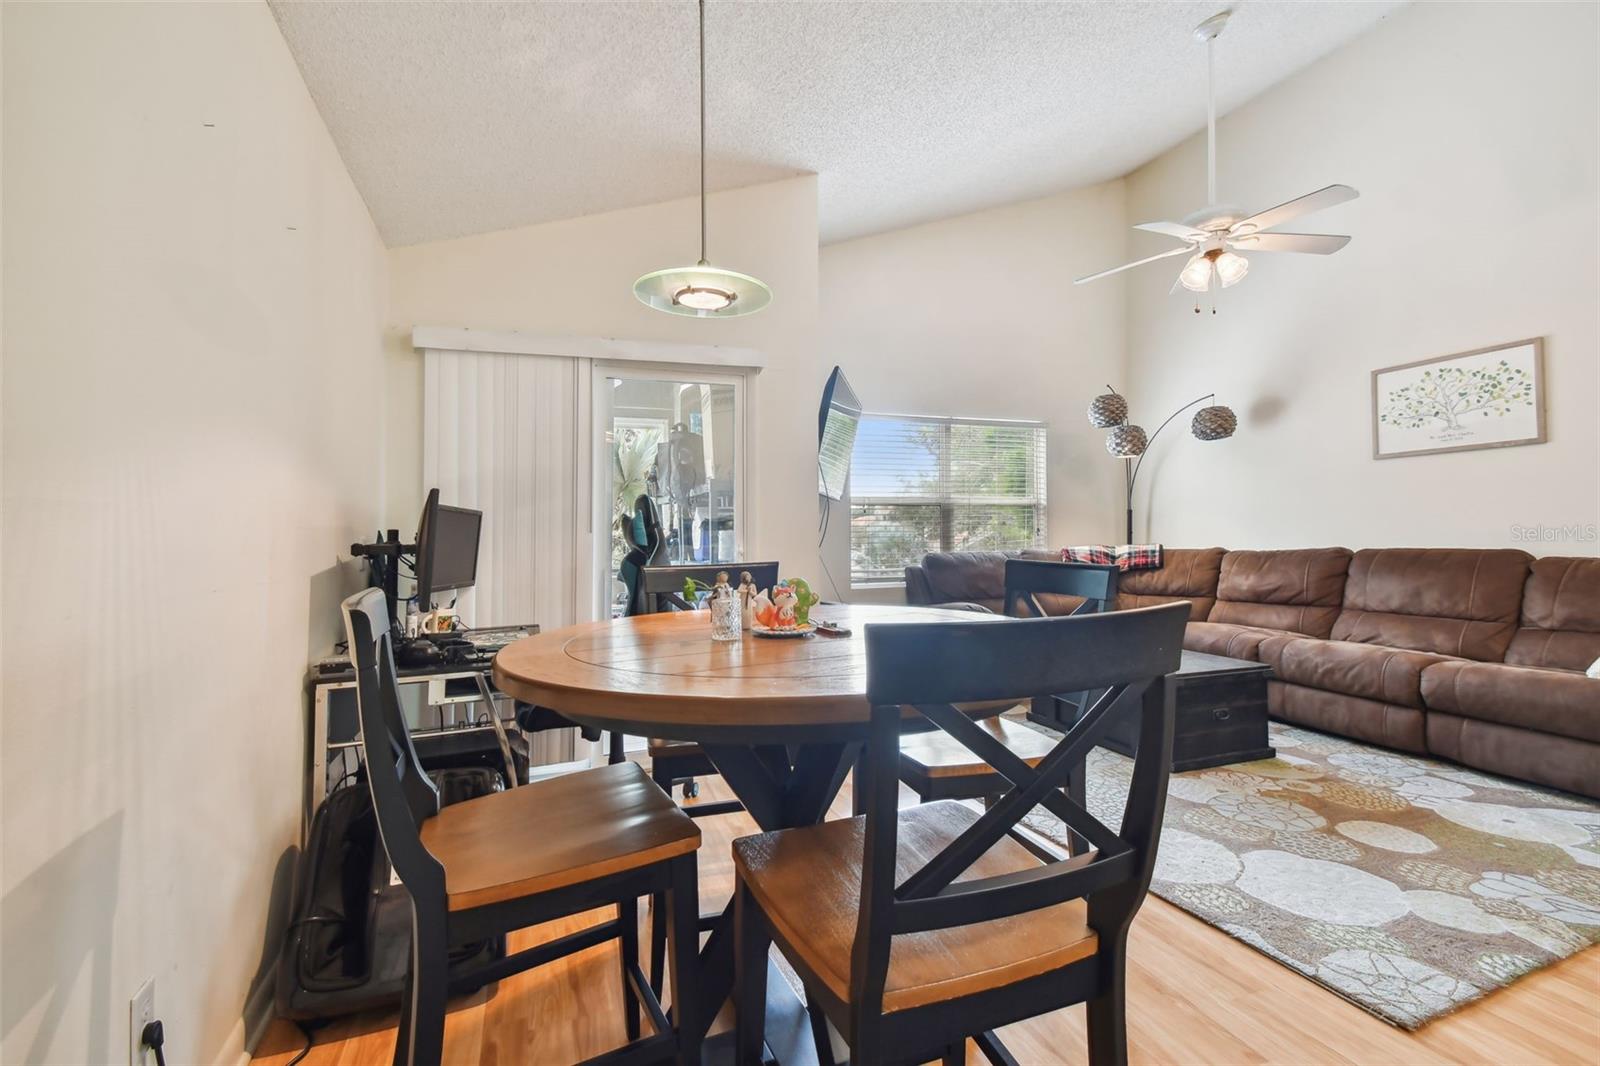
{"points": [[1484, 398]]}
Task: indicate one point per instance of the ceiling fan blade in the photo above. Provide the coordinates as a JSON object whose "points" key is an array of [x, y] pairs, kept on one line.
{"points": [[1315, 243], [1174, 229], [1185, 250], [1277, 216]]}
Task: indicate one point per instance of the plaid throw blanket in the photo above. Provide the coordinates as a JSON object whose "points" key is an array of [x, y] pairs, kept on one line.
{"points": [[1123, 557]]}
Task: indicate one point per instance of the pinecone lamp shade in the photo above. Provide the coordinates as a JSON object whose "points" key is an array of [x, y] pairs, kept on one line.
{"points": [[1127, 441], [1108, 410], [1214, 423]]}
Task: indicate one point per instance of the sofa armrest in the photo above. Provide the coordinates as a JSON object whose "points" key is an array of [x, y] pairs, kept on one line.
{"points": [[918, 591]]}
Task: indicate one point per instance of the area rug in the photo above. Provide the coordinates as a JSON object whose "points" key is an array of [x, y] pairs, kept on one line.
{"points": [[1410, 887]]}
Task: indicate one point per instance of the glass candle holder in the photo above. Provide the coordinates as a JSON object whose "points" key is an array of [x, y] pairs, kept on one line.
{"points": [[725, 618]]}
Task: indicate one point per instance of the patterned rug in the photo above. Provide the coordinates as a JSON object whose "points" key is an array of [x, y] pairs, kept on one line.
{"points": [[1408, 886]]}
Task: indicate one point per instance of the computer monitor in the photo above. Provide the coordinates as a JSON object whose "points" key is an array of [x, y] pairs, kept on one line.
{"points": [[447, 549]]}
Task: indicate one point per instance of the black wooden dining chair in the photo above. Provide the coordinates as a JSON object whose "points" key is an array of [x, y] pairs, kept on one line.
{"points": [[936, 766], [660, 588], [917, 929], [500, 862], [674, 762], [663, 585]]}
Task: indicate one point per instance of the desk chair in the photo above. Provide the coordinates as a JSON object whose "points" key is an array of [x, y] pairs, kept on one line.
{"points": [[646, 547], [937, 766], [511, 859], [672, 761], [1015, 936]]}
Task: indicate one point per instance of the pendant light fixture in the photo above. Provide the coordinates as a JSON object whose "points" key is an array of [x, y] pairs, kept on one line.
{"points": [[702, 290]]}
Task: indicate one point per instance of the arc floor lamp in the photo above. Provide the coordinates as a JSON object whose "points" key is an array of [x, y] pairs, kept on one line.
{"points": [[1128, 441]]}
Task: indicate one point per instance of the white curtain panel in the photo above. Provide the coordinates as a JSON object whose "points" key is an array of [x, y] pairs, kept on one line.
{"points": [[500, 436]]}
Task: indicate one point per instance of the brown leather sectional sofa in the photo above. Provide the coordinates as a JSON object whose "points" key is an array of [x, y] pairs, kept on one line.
{"points": [[1472, 655]]}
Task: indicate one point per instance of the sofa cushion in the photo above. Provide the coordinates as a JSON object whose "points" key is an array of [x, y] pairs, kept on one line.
{"points": [[1563, 702], [1560, 615], [1220, 638], [980, 578], [967, 577], [1348, 716], [1543, 758], [1297, 591], [1371, 671], [1451, 601], [1187, 574]]}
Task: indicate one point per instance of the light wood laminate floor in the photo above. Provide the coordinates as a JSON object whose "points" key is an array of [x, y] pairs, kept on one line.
{"points": [[1195, 995]]}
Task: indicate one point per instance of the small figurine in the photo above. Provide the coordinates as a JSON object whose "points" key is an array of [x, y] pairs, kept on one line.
{"points": [[787, 606], [777, 610], [747, 599], [805, 599]]}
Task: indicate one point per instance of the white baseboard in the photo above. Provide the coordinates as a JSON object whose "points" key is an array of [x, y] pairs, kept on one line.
{"points": [[233, 1051]]}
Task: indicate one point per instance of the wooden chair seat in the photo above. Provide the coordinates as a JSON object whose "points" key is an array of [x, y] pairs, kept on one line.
{"points": [[938, 754], [541, 836], [808, 883]]}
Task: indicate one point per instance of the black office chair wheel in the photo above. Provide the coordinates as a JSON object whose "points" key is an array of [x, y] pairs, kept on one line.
{"points": [[691, 789]]}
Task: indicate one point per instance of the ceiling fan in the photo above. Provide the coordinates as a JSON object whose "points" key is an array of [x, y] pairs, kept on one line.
{"points": [[1215, 237]]}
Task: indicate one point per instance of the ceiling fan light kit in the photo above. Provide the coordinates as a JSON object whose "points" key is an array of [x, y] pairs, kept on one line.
{"points": [[1215, 237], [702, 290]]}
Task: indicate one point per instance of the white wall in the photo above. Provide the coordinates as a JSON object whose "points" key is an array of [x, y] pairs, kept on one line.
{"points": [[1470, 131], [193, 303], [575, 278], [977, 316]]}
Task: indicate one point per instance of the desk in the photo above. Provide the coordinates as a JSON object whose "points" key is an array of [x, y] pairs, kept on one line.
{"points": [[440, 703], [781, 719]]}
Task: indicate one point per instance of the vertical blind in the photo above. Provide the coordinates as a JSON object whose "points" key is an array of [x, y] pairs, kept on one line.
{"points": [[919, 485], [500, 436]]}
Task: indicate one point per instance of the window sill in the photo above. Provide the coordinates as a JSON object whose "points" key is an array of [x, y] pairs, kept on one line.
{"points": [[870, 585]]}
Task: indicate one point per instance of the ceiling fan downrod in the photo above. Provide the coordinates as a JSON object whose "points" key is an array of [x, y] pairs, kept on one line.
{"points": [[1208, 31]]}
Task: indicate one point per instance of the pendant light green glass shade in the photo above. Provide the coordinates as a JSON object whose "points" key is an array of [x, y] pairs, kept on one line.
{"points": [[702, 291]]}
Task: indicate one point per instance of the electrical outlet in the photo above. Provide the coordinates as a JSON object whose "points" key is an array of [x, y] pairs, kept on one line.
{"points": [[141, 1012]]}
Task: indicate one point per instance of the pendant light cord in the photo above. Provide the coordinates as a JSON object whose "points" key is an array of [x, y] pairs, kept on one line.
{"points": [[703, 260]]}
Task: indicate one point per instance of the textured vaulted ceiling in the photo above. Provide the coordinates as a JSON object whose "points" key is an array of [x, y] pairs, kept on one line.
{"points": [[458, 118]]}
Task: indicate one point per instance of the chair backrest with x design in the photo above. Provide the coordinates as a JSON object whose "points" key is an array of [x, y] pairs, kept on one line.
{"points": [[1028, 579], [1094, 584], [663, 585], [403, 797], [933, 667]]}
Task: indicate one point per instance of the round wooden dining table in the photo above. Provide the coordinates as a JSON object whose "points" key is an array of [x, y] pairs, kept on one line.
{"points": [[782, 719]]}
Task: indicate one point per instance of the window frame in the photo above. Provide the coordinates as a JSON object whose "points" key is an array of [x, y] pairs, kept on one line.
{"points": [[949, 502]]}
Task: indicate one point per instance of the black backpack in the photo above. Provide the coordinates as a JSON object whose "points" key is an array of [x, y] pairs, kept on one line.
{"points": [[349, 939]]}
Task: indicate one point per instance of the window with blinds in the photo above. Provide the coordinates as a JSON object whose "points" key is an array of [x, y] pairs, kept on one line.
{"points": [[919, 485]]}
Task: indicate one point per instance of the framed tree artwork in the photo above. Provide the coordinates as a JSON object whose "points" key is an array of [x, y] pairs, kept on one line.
{"points": [[1486, 398]]}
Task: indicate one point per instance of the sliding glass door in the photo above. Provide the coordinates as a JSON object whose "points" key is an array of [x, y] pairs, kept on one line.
{"points": [[675, 437]]}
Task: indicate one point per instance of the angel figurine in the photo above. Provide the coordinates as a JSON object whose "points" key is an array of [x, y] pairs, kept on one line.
{"points": [[747, 600]]}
